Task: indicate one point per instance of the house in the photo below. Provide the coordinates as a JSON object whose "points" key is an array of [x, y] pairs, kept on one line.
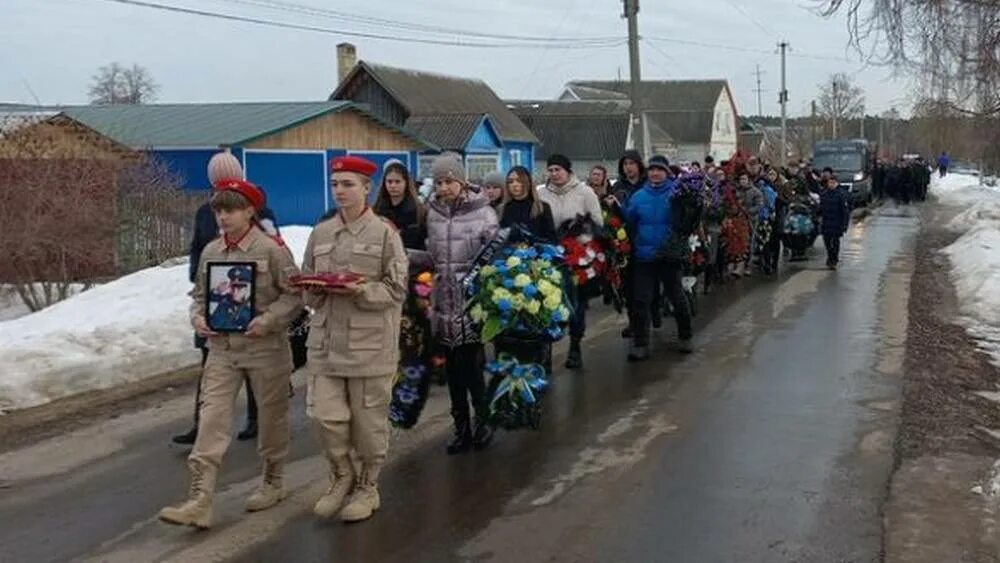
{"points": [[454, 114], [58, 180], [588, 132], [285, 147], [765, 141], [699, 116]]}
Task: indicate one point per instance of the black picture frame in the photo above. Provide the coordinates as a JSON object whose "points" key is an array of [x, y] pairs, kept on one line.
{"points": [[230, 295]]}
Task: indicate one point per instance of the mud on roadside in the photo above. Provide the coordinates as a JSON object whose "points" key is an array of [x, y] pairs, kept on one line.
{"points": [[932, 514]]}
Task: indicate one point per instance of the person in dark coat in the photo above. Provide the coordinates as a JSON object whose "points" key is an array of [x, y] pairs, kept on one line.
{"points": [[835, 209], [398, 202], [631, 177], [521, 206]]}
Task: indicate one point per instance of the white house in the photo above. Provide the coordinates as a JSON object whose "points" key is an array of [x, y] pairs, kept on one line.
{"points": [[699, 116]]}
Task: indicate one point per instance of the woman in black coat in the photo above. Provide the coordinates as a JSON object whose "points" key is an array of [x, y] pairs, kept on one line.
{"points": [[521, 206], [398, 202]]}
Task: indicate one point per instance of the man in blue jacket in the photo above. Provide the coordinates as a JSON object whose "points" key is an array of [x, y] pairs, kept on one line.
{"points": [[943, 163], [835, 210], [649, 219]]}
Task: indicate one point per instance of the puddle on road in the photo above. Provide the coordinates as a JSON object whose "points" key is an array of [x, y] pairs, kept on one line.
{"points": [[793, 290]]}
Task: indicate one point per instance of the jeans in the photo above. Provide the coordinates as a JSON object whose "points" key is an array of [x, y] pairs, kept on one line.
{"points": [[464, 367], [832, 243], [649, 275]]}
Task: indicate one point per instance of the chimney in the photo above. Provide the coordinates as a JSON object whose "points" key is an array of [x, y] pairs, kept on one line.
{"points": [[347, 57]]}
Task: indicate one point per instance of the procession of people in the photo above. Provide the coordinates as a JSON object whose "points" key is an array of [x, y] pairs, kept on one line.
{"points": [[468, 285]]}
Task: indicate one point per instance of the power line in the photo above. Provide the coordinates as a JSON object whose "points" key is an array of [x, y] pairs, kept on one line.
{"points": [[289, 7], [747, 15], [744, 49], [330, 31]]}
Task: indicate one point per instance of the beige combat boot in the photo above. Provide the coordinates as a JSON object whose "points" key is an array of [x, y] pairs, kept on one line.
{"points": [[271, 491], [341, 483], [364, 500], [197, 510]]}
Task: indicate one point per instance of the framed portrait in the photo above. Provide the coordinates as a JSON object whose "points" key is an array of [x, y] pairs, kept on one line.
{"points": [[231, 295]]}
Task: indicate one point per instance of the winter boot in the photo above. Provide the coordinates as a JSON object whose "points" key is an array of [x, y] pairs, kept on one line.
{"points": [[638, 353], [483, 433], [341, 484], [685, 346], [187, 438], [197, 510], [365, 499], [463, 435], [271, 491], [574, 360]]}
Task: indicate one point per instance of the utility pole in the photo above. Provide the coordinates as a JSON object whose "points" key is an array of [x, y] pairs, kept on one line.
{"points": [[812, 122], [836, 108], [783, 98], [638, 117], [760, 107]]}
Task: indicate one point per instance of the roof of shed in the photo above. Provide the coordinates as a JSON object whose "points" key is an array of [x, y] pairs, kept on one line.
{"points": [[580, 130], [204, 125], [426, 93], [448, 131]]}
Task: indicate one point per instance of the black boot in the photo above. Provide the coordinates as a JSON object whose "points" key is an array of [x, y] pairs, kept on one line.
{"points": [[249, 431], [462, 441], [627, 332], [638, 353], [187, 438], [574, 360], [483, 434]]}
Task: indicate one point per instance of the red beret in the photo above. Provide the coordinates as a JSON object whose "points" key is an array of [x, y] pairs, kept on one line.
{"points": [[354, 164], [253, 194]]}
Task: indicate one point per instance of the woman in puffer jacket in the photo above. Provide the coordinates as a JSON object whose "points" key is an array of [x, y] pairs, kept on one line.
{"points": [[459, 223]]}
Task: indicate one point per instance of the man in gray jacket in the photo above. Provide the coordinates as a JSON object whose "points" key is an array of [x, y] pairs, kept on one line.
{"points": [[569, 198]]}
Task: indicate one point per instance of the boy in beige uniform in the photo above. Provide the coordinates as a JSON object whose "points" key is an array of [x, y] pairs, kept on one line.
{"points": [[354, 340], [262, 353]]}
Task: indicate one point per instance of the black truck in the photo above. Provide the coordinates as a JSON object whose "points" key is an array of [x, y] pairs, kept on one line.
{"points": [[852, 161]]}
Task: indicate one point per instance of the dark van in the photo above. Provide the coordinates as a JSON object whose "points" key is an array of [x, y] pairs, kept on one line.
{"points": [[851, 161]]}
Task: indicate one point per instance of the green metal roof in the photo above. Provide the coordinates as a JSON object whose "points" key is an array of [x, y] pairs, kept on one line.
{"points": [[204, 125]]}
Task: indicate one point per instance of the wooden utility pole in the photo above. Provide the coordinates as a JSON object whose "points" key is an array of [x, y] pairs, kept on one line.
{"points": [[760, 91], [783, 98], [635, 71]]}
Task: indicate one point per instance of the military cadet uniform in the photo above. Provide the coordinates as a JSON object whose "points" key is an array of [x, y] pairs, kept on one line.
{"points": [[353, 349], [266, 360]]}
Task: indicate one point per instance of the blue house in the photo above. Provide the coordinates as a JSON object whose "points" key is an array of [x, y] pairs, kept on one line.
{"points": [[285, 147], [454, 114]]}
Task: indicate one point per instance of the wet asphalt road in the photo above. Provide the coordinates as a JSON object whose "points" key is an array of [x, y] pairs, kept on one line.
{"points": [[771, 443]]}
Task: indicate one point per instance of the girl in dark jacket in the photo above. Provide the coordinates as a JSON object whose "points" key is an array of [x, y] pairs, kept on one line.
{"points": [[521, 206], [398, 202]]}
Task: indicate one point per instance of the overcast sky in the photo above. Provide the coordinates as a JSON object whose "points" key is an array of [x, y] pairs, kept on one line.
{"points": [[51, 48]]}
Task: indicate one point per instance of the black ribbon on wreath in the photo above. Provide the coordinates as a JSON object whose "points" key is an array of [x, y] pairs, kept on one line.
{"points": [[416, 367]]}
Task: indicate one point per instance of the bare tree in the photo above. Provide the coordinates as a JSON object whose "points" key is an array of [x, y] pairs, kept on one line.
{"points": [[118, 84], [950, 47], [840, 99]]}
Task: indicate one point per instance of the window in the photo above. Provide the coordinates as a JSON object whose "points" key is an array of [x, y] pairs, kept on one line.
{"points": [[515, 158], [477, 166], [424, 163]]}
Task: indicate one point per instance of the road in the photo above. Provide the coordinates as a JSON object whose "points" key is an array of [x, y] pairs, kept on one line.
{"points": [[773, 442]]}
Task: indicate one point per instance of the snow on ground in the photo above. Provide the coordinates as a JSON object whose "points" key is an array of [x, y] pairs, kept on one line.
{"points": [[975, 256], [126, 330], [12, 307]]}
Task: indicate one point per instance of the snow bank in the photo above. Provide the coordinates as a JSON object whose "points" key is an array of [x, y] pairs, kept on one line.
{"points": [[123, 331], [975, 256]]}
